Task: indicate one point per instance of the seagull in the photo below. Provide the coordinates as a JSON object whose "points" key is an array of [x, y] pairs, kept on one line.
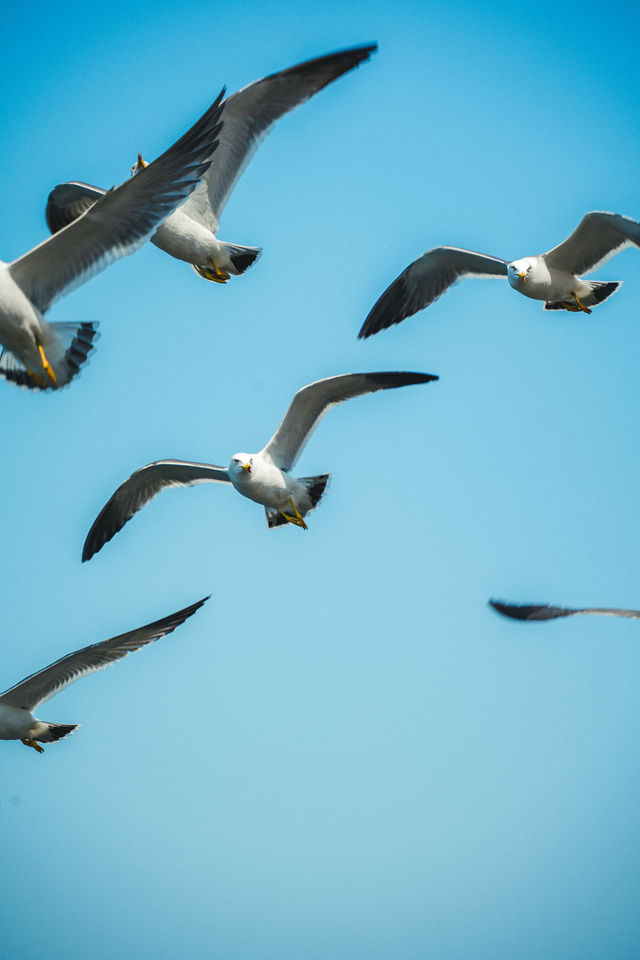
{"points": [[551, 277], [42, 355], [547, 611], [248, 116], [17, 704], [263, 477]]}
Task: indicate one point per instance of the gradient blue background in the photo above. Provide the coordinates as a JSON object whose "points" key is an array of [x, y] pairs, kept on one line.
{"points": [[345, 754]]}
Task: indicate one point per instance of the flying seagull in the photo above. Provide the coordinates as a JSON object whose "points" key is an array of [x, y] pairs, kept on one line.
{"points": [[248, 115], [553, 277], [263, 477], [17, 704], [547, 611], [43, 355]]}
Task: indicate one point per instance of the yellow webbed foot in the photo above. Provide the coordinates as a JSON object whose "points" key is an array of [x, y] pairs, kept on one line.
{"points": [[47, 366], [296, 519], [28, 742], [581, 305], [212, 273]]}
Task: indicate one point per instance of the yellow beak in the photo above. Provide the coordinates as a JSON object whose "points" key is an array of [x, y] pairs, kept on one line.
{"points": [[140, 163], [246, 466], [523, 277]]}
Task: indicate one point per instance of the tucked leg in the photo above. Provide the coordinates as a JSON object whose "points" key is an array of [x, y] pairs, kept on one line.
{"points": [[217, 275], [581, 305], [296, 519], [28, 742], [47, 366]]}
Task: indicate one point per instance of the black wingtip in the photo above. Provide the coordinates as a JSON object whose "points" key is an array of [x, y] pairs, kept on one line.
{"points": [[102, 530], [390, 308], [191, 609], [403, 378], [166, 625], [87, 552], [180, 616], [368, 328], [365, 50], [94, 543], [530, 611]]}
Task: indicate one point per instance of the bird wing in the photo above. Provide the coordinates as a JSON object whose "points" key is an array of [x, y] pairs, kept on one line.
{"points": [[249, 114], [547, 611], [140, 487], [312, 402], [68, 201], [119, 222], [424, 281], [41, 686], [595, 240]]}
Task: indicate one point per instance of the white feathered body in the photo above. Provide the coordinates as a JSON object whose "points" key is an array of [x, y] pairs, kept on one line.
{"points": [[265, 483], [186, 239], [542, 282], [16, 723], [21, 324]]}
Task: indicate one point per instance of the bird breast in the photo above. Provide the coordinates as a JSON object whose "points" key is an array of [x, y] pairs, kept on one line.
{"points": [[15, 722], [266, 484], [19, 319], [182, 237]]}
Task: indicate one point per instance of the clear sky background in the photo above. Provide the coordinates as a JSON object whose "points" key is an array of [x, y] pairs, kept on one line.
{"points": [[346, 753]]}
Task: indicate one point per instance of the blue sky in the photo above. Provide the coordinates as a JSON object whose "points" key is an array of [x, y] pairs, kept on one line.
{"points": [[345, 754]]}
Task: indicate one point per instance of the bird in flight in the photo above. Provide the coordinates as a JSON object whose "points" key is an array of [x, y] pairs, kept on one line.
{"points": [[548, 611], [39, 354], [553, 277], [17, 704], [189, 233], [264, 477]]}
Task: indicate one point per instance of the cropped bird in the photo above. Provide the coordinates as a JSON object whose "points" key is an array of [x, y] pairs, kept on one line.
{"points": [[248, 115], [547, 611], [551, 277], [263, 477], [43, 355], [17, 704]]}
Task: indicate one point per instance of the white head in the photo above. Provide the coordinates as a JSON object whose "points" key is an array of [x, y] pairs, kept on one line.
{"points": [[240, 466], [140, 164], [519, 271]]}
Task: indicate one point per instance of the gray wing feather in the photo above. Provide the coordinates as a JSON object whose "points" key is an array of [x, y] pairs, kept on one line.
{"points": [[141, 487], [547, 611], [41, 686], [119, 222], [426, 279], [596, 239], [68, 201], [312, 402], [249, 115]]}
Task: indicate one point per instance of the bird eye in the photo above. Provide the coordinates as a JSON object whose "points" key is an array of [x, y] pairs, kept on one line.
{"points": [[235, 460]]}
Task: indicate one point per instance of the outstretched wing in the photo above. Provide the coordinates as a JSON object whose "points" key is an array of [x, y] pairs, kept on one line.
{"points": [[424, 281], [121, 220], [68, 201], [141, 486], [547, 611], [312, 402], [249, 115], [41, 686], [595, 240]]}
